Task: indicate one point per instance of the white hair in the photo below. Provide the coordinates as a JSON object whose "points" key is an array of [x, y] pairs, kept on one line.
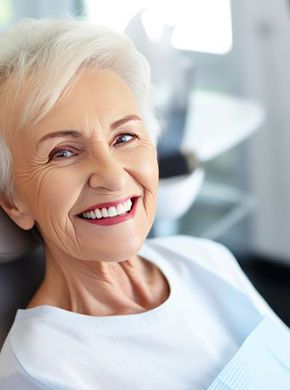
{"points": [[47, 55]]}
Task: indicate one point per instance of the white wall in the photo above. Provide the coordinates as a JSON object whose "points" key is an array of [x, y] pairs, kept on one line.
{"points": [[264, 33]]}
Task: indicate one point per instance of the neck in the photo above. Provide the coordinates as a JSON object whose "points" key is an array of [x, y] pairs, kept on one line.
{"points": [[100, 288]]}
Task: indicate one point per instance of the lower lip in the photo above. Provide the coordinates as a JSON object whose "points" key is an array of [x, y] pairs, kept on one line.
{"points": [[114, 220]]}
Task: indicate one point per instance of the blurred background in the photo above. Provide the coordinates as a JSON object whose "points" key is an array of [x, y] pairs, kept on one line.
{"points": [[220, 70]]}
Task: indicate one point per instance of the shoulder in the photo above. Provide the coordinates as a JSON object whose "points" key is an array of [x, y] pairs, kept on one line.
{"points": [[208, 254], [13, 374], [33, 342], [216, 258]]}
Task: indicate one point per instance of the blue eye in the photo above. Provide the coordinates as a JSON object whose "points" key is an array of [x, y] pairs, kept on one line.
{"points": [[124, 138], [61, 154]]}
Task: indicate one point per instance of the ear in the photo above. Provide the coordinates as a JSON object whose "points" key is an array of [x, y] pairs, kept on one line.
{"points": [[17, 211]]}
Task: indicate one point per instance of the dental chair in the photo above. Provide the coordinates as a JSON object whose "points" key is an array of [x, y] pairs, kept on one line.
{"points": [[22, 269]]}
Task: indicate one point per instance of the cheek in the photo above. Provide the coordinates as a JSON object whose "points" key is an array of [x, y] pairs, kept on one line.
{"points": [[144, 167], [49, 193], [58, 192]]}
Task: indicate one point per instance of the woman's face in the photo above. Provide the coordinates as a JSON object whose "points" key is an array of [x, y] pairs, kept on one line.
{"points": [[90, 150]]}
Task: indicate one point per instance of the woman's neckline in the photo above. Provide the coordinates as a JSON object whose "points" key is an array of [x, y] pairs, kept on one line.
{"points": [[136, 321]]}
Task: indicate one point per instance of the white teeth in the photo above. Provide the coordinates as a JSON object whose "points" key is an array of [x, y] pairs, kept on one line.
{"points": [[93, 215], [98, 213], [121, 208], [112, 211], [105, 213], [125, 205]]}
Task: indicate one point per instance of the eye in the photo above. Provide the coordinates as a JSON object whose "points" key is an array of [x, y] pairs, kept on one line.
{"points": [[61, 154], [124, 138]]}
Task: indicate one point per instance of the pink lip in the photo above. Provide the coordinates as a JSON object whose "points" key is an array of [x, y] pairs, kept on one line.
{"points": [[109, 204], [117, 219]]}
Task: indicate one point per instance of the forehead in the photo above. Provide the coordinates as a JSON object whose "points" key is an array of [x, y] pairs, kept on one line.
{"points": [[98, 96], [94, 100]]}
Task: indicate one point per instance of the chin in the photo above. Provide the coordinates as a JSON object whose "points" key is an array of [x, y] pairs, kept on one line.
{"points": [[126, 249], [119, 248]]}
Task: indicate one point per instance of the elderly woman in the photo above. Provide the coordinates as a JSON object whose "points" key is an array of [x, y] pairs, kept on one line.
{"points": [[78, 162]]}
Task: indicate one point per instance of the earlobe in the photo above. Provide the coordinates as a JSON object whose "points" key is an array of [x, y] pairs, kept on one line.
{"points": [[17, 213]]}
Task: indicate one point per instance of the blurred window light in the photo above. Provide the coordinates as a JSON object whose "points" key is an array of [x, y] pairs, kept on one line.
{"points": [[5, 12], [200, 25], [114, 14]]}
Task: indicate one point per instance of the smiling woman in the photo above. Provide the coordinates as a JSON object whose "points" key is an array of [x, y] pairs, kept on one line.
{"points": [[86, 175], [108, 156]]}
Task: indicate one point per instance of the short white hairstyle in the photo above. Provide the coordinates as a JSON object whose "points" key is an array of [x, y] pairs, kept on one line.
{"points": [[47, 55]]}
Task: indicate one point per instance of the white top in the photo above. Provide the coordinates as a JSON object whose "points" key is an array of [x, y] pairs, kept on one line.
{"points": [[182, 344]]}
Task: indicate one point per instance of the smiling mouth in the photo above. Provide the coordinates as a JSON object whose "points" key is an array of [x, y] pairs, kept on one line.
{"points": [[121, 209]]}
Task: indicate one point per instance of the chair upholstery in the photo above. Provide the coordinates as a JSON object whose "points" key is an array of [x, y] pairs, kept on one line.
{"points": [[14, 242], [22, 269]]}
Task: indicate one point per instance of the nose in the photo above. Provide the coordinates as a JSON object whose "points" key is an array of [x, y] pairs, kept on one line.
{"points": [[108, 172]]}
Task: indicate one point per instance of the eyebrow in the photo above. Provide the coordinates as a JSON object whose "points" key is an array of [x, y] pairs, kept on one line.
{"points": [[76, 133]]}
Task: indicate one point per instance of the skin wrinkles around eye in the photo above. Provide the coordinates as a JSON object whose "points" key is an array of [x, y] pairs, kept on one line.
{"points": [[64, 149]]}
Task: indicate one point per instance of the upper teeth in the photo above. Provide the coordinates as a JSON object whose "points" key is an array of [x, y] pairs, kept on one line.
{"points": [[109, 212]]}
